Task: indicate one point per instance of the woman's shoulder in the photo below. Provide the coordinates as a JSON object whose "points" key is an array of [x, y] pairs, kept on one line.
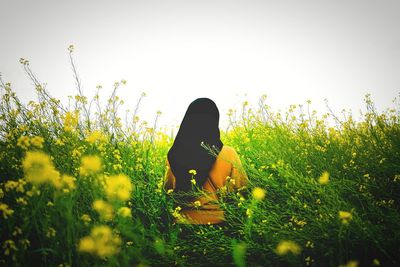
{"points": [[228, 151]]}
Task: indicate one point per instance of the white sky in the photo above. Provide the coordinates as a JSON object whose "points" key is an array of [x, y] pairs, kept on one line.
{"points": [[229, 51]]}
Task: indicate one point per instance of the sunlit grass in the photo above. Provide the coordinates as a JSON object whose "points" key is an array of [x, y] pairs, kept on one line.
{"points": [[81, 188]]}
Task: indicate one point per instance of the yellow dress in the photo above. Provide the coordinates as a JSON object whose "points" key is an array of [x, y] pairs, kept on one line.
{"points": [[227, 166]]}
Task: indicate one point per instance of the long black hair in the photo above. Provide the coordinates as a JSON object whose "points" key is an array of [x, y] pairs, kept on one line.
{"points": [[200, 124]]}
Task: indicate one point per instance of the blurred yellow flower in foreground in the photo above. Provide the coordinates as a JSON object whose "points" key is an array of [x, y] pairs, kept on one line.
{"points": [[258, 193], [101, 242], [105, 210], [193, 172], [90, 165], [38, 168], [118, 187], [324, 179], [345, 216], [287, 246]]}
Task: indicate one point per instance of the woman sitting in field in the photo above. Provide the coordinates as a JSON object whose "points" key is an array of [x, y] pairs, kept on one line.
{"points": [[188, 160]]}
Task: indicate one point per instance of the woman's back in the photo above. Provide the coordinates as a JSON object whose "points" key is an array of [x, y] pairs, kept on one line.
{"points": [[226, 171]]}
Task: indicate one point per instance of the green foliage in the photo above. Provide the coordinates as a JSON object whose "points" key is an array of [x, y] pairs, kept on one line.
{"points": [[351, 213]]}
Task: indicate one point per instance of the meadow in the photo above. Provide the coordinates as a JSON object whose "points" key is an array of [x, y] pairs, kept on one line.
{"points": [[81, 188]]}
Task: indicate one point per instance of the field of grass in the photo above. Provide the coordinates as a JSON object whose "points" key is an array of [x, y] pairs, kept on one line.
{"points": [[79, 188]]}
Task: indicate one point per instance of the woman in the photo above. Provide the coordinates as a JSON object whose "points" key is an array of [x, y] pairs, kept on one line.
{"points": [[188, 159]]}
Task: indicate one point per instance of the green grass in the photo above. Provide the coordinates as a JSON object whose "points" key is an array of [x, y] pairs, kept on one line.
{"points": [[283, 153]]}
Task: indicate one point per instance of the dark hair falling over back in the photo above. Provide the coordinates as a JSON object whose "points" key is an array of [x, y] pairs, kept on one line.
{"points": [[200, 124]]}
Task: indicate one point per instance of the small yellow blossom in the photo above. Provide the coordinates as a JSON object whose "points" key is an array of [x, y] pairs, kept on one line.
{"points": [[351, 263], [71, 121], [96, 136], [90, 165], [287, 246], [101, 242], [193, 172], [118, 187], [23, 142], [197, 203], [86, 219], [8, 246], [51, 232], [345, 216], [376, 262], [105, 210], [125, 212], [37, 141], [39, 168], [258, 193], [324, 179], [7, 212]]}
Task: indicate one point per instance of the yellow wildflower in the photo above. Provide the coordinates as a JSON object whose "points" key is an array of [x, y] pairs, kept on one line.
{"points": [[324, 179], [287, 246], [68, 182], [258, 193], [101, 242], [96, 136], [37, 141], [90, 165], [71, 121], [6, 210], [125, 212], [345, 216], [86, 219], [351, 263], [39, 168], [104, 209], [23, 142], [8, 246], [197, 203], [192, 172], [118, 187], [51, 232]]}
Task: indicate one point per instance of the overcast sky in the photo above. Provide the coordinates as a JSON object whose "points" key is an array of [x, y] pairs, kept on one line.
{"points": [[229, 51]]}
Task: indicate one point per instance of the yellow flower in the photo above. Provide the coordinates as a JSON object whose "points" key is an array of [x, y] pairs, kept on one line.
{"points": [[37, 141], [193, 172], [90, 165], [105, 210], [8, 246], [351, 263], [197, 203], [258, 193], [68, 182], [71, 121], [86, 244], [39, 168], [118, 187], [51, 232], [96, 136], [287, 246], [345, 216], [23, 142], [101, 242], [125, 212], [86, 219], [324, 179], [6, 210]]}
